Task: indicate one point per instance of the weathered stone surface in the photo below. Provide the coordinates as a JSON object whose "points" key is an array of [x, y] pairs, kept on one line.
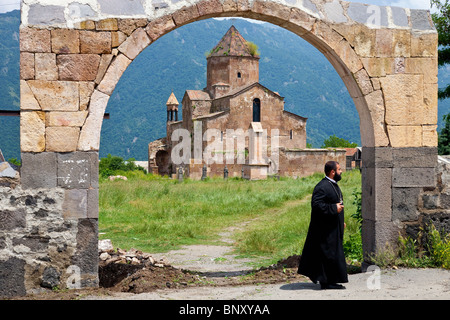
{"points": [[32, 131], [135, 43], [92, 206], [160, 26], [81, 67], [74, 170], [75, 203], [117, 38], [86, 90], [66, 119], [12, 277], [377, 194], [377, 235], [376, 107], [113, 74], [378, 67], [46, 15], [26, 65], [62, 139], [429, 136], [405, 204], [107, 25], [301, 19], [10, 220], [90, 133], [414, 157], [95, 42], [334, 12], [50, 278], [38, 170], [403, 95], [185, 15], [424, 44], [34, 40], [45, 66], [86, 256], [405, 136], [56, 95], [127, 26], [65, 41], [421, 20], [207, 7], [426, 66], [105, 61], [27, 99], [413, 177]]}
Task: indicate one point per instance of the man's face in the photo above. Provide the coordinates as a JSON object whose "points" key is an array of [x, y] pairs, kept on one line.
{"points": [[337, 173]]}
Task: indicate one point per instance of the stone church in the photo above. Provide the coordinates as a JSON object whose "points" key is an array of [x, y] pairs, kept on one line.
{"points": [[234, 100]]}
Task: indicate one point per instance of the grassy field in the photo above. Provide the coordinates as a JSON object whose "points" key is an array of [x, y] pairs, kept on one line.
{"points": [[155, 214]]}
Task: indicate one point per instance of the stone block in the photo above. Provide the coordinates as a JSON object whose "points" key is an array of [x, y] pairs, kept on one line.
{"points": [[79, 67], [32, 131], [39, 170], [46, 15], [209, 7], [75, 204], [117, 38], [376, 194], [378, 236], [12, 277], [401, 43], [107, 25], [65, 41], [301, 19], [74, 170], [35, 40], [127, 26], [135, 43], [105, 61], [66, 119], [405, 204], [27, 99], [26, 65], [56, 95], [45, 66], [62, 139], [414, 157], [403, 94], [185, 15], [413, 177], [429, 136], [424, 44], [375, 104], [12, 219], [405, 136], [86, 256], [160, 27], [86, 90], [113, 74], [93, 207], [95, 42], [94, 159], [120, 7], [90, 132], [421, 20], [85, 25], [426, 66], [378, 67]]}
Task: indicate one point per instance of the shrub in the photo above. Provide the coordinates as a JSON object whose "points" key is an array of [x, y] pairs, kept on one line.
{"points": [[111, 164]]}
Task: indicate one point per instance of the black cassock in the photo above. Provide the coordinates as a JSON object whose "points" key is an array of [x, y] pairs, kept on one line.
{"points": [[323, 259]]}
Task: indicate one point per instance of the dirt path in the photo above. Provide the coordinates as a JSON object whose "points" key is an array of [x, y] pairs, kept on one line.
{"points": [[219, 258]]}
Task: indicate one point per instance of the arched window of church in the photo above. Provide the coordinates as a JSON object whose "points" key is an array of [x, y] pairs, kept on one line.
{"points": [[256, 110], [291, 134], [239, 75]]}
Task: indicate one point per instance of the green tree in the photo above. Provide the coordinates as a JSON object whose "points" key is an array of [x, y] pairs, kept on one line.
{"points": [[444, 137], [335, 142], [441, 20]]}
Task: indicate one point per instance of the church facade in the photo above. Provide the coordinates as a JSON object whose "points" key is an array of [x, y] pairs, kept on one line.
{"points": [[253, 135]]}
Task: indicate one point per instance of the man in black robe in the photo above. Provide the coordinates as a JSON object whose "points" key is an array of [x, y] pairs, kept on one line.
{"points": [[323, 259]]}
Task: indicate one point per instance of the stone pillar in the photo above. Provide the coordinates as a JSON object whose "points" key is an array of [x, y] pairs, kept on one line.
{"points": [[392, 180]]}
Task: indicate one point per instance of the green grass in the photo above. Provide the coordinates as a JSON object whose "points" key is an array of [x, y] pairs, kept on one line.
{"points": [[157, 214]]}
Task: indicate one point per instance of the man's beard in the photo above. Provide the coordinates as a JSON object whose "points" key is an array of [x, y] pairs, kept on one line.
{"points": [[337, 177]]}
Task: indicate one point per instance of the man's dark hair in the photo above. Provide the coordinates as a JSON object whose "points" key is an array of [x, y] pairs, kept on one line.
{"points": [[330, 165]]}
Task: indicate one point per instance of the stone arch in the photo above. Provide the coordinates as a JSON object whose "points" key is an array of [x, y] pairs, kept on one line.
{"points": [[73, 55]]}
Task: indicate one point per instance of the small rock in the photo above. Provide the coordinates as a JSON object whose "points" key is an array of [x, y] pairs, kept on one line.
{"points": [[104, 256], [105, 246]]}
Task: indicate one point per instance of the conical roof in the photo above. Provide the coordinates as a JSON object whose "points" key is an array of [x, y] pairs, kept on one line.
{"points": [[172, 100], [232, 44]]}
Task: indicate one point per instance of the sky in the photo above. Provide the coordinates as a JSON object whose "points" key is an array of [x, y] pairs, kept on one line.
{"points": [[9, 5]]}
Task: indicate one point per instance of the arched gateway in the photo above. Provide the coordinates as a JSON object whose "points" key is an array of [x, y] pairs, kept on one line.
{"points": [[74, 53]]}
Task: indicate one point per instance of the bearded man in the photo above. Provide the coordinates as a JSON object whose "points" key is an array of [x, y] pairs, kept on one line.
{"points": [[323, 259]]}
